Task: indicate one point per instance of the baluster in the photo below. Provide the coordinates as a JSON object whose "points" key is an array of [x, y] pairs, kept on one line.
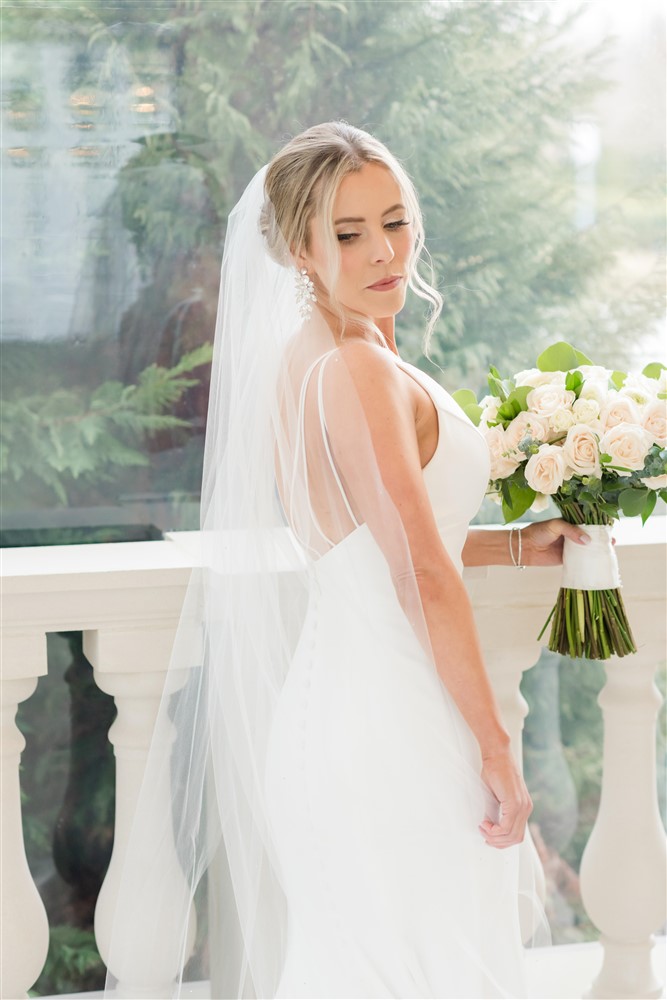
{"points": [[24, 929], [507, 635], [139, 935], [624, 866]]}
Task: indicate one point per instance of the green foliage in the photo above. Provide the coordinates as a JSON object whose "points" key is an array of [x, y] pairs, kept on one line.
{"points": [[561, 357], [468, 402], [653, 370], [73, 963], [71, 434], [477, 99]]}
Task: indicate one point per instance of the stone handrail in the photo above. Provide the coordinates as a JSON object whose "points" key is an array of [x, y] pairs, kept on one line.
{"points": [[126, 599]]}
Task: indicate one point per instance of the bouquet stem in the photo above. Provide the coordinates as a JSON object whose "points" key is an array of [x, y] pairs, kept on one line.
{"points": [[588, 623]]}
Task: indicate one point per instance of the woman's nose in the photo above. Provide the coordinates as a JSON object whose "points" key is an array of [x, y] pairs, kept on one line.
{"points": [[382, 251]]}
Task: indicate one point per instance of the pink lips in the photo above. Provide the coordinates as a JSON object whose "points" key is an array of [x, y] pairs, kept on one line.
{"points": [[386, 284]]}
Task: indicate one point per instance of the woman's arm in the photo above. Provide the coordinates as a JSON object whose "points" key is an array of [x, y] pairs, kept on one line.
{"points": [[541, 544], [427, 582]]}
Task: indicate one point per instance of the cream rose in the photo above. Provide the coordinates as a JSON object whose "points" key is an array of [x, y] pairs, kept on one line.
{"points": [[525, 425], [639, 388], [596, 372], [655, 482], [586, 411], [561, 420], [581, 451], [619, 410], [534, 377], [627, 445], [490, 405], [540, 503], [595, 390], [545, 471], [503, 463], [545, 400], [654, 420]]}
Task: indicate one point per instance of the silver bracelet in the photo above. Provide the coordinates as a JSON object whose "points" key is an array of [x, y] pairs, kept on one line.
{"points": [[515, 562]]}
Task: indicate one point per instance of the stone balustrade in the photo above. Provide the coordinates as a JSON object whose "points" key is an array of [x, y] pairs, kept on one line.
{"points": [[126, 599]]}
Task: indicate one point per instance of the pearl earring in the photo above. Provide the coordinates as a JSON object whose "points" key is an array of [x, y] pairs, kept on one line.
{"points": [[305, 293]]}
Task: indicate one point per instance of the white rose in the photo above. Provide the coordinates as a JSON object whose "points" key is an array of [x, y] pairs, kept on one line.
{"points": [[503, 463], [654, 420], [546, 399], [525, 424], [582, 451], [540, 503], [490, 405], [639, 388], [619, 410], [534, 377], [598, 373], [545, 471], [561, 420], [655, 482], [628, 445], [586, 411], [594, 389]]}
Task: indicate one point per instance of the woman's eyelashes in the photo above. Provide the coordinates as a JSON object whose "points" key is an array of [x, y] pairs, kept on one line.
{"points": [[392, 226]]}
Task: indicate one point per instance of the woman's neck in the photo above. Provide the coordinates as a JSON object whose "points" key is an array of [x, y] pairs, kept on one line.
{"points": [[385, 325]]}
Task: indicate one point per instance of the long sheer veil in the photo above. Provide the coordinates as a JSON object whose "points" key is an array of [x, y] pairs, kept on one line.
{"points": [[289, 474]]}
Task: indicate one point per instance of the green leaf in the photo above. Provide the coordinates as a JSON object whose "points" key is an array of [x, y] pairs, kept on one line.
{"points": [[473, 412], [653, 369], [496, 387], [605, 458], [464, 397], [514, 404], [521, 496], [618, 378], [663, 495], [649, 506], [632, 501], [574, 381], [561, 357]]}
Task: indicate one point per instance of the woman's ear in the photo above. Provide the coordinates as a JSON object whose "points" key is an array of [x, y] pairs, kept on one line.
{"points": [[301, 260]]}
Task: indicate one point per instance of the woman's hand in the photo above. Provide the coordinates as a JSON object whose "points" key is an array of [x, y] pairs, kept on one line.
{"points": [[542, 541], [514, 805]]}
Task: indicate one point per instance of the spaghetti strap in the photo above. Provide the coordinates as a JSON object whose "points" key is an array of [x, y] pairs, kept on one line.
{"points": [[300, 457], [325, 437]]}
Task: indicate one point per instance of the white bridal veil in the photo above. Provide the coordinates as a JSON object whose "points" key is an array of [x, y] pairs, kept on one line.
{"points": [[290, 477]]}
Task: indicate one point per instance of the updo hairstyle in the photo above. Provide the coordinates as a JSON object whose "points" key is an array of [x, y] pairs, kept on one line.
{"points": [[302, 180]]}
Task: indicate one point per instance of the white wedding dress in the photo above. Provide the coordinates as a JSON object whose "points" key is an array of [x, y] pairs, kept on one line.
{"points": [[372, 781]]}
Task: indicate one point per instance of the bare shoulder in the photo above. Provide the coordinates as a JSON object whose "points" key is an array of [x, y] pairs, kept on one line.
{"points": [[373, 369]]}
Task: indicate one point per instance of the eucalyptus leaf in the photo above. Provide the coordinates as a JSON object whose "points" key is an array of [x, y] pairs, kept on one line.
{"points": [[653, 369], [474, 413], [561, 357], [649, 506], [464, 397], [618, 378], [632, 502]]}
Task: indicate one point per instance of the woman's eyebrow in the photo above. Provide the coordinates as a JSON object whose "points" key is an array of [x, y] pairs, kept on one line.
{"points": [[387, 211]]}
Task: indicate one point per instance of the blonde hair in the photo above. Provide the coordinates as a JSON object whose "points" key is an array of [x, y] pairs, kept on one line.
{"points": [[302, 180]]}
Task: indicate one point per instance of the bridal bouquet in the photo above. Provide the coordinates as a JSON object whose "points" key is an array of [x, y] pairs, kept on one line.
{"points": [[595, 441]]}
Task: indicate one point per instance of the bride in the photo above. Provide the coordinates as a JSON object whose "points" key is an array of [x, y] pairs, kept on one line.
{"points": [[337, 739]]}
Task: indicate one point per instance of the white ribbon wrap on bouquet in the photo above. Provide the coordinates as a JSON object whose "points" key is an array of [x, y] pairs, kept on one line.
{"points": [[593, 566]]}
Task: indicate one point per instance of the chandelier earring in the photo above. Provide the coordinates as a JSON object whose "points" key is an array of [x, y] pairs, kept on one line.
{"points": [[305, 293]]}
